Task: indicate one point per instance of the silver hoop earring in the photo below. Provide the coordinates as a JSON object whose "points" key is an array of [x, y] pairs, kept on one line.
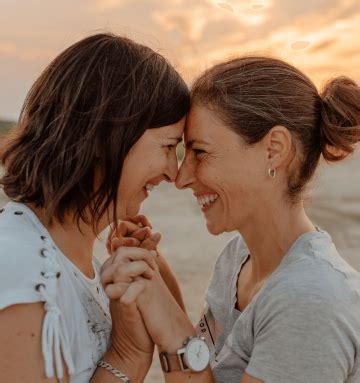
{"points": [[272, 173]]}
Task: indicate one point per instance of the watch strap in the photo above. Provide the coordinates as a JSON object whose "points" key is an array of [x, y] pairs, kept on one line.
{"points": [[170, 363]]}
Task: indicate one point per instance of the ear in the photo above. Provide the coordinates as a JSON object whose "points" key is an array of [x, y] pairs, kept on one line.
{"points": [[278, 143]]}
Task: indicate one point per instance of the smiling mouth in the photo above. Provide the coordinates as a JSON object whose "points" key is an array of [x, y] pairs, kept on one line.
{"points": [[149, 187], [207, 200]]}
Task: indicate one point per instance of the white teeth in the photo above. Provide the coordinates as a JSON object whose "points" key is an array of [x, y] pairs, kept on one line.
{"points": [[149, 187], [207, 199]]}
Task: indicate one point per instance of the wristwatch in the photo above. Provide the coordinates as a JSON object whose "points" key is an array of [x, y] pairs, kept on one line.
{"points": [[194, 356]]}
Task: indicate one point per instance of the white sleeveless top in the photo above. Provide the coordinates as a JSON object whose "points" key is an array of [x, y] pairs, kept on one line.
{"points": [[77, 321]]}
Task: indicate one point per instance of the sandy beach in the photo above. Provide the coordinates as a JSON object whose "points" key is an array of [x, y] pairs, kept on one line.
{"points": [[334, 205]]}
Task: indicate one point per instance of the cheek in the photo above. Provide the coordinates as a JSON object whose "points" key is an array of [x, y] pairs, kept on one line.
{"points": [[207, 172], [156, 165], [215, 176]]}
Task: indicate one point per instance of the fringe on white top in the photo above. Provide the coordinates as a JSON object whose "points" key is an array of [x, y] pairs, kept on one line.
{"points": [[55, 342]]}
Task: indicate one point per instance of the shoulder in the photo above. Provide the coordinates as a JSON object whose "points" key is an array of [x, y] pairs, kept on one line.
{"points": [[27, 258], [313, 267], [20, 243], [309, 290]]}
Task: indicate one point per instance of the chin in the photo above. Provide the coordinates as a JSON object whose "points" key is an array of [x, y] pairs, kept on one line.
{"points": [[213, 228], [131, 211]]}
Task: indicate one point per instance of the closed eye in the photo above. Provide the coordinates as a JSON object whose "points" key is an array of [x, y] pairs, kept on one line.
{"points": [[198, 152]]}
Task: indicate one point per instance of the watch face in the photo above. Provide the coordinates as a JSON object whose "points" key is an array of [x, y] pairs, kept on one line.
{"points": [[197, 355]]}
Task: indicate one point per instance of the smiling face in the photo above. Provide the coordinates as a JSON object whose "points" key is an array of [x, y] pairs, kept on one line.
{"points": [[151, 160], [227, 176]]}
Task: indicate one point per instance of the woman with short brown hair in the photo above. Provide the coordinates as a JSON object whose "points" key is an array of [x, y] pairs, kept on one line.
{"points": [[97, 132]]}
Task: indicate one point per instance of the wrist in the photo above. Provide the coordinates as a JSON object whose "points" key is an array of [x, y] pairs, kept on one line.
{"points": [[182, 329], [134, 367]]}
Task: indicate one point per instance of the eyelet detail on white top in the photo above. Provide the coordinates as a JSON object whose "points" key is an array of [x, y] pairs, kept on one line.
{"points": [[44, 253], [55, 342], [40, 286]]}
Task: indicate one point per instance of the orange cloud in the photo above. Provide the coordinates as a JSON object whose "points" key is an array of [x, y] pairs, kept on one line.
{"points": [[10, 49]]}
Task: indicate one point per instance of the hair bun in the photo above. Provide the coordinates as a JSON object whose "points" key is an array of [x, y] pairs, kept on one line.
{"points": [[340, 118]]}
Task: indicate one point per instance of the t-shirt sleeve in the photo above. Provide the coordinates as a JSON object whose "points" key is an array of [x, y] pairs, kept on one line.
{"points": [[300, 338], [29, 274], [25, 267]]}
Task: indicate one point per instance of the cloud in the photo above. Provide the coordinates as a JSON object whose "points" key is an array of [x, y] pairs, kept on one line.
{"points": [[320, 37], [10, 49], [107, 5], [314, 38]]}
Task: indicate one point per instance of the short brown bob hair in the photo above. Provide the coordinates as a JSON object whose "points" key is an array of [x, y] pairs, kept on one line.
{"points": [[85, 112]]}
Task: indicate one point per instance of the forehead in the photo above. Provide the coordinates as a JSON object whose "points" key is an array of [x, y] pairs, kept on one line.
{"points": [[173, 131], [202, 124]]}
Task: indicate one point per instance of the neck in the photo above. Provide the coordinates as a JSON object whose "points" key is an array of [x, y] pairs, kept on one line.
{"points": [[77, 245], [270, 236]]}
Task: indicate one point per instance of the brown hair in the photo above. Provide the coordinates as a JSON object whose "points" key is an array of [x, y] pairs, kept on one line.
{"points": [[84, 113], [253, 94]]}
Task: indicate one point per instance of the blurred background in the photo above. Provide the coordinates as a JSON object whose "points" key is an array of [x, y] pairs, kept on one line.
{"points": [[321, 37]]}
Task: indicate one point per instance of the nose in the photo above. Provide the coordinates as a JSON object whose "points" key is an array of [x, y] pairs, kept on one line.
{"points": [[186, 174], [172, 169]]}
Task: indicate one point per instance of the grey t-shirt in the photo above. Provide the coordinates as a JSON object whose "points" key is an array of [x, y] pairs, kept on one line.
{"points": [[302, 326]]}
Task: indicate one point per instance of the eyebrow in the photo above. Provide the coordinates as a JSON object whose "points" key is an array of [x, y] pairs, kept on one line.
{"points": [[191, 143]]}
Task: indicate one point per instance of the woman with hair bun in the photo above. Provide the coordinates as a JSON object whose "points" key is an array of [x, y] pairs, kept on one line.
{"points": [[282, 305]]}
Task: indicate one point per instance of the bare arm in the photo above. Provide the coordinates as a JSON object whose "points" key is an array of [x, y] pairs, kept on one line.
{"points": [[249, 379], [170, 280], [20, 338], [21, 353], [131, 368], [182, 377]]}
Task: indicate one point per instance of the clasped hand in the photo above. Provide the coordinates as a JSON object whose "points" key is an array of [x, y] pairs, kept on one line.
{"points": [[144, 311]]}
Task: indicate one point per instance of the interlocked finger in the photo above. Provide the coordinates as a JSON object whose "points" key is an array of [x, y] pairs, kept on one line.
{"points": [[141, 233], [116, 290], [133, 291], [120, 229], [129, 271], [127, 254], [151, 242], [126, 272], [141, 219], [124, 241]]}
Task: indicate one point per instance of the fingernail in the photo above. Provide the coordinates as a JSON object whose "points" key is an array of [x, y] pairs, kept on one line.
{"points": [[153, 253]]}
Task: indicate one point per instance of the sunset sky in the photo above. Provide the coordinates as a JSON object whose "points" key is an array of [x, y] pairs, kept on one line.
{"points": [[320, 36]]}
